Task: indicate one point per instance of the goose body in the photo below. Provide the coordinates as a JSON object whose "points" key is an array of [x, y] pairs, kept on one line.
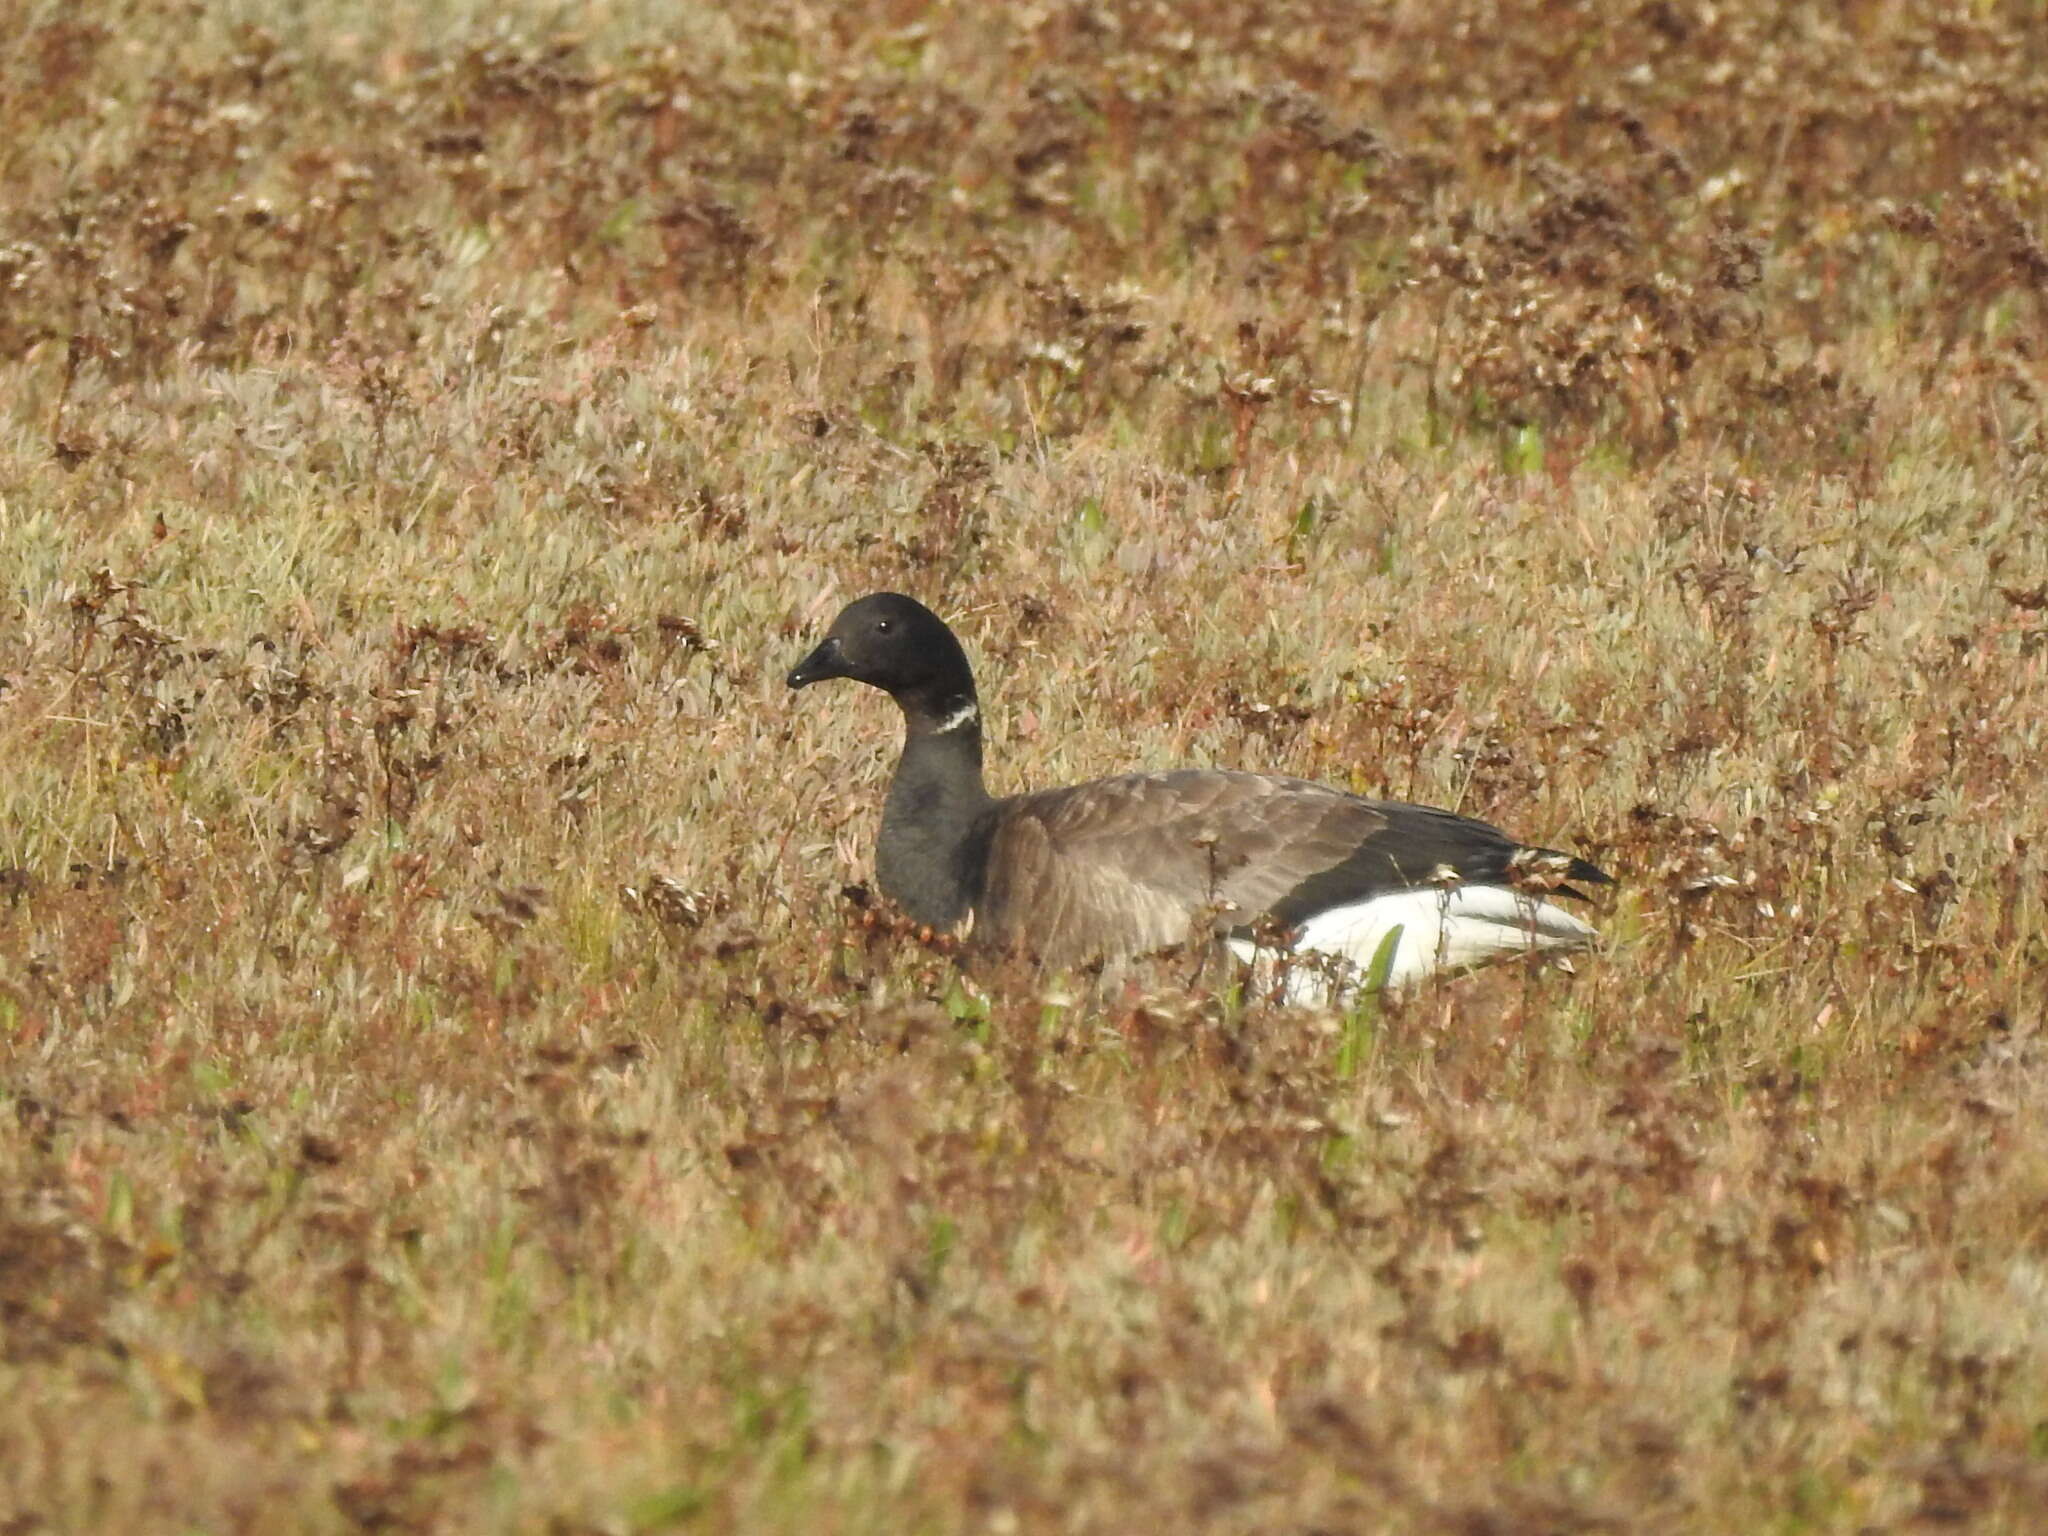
{"points": [[1127, 865]]}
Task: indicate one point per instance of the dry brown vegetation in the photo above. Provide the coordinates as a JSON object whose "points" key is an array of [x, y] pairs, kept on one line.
{"points": [[445, 1087]]}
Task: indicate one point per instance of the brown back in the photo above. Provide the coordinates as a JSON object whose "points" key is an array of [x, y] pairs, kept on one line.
{"points": [[1126, 865]]}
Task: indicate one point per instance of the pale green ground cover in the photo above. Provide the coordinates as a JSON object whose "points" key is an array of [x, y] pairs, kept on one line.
{"points": [[444, 1087]]}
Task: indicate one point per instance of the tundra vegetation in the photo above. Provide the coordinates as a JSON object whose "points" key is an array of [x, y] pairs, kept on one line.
{"points": [[452, 1075]]}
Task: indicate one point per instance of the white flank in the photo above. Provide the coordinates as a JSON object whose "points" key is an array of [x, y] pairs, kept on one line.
{"points": [[966, 714], [1440, 931]]}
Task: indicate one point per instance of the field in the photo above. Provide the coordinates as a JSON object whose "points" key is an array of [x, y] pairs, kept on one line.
{"points": [[453, 1076]]}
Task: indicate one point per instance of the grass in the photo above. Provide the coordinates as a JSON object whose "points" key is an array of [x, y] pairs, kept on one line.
{"points": [[442, 1083]]}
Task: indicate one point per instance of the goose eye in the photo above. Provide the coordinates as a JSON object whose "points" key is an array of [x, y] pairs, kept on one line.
{"points": [[883, 626]]}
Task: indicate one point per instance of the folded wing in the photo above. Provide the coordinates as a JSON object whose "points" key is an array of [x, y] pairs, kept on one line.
{"points": [[1126, 865]]}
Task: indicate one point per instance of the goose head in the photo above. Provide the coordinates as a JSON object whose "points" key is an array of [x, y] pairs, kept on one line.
{"points": [[898, 645]]}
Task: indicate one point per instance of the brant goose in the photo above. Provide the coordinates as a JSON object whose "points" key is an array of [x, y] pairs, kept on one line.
{"points": [[1124, 866]]}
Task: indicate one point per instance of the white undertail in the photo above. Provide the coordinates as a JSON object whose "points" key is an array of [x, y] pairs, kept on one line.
{"points": [[1440, 930]]}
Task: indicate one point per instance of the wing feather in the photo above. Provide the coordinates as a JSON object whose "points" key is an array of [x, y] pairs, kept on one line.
{"points": [[1126, 865]]}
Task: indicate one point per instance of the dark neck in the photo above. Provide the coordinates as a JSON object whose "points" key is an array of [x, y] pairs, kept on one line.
{"points": [[933, 851]]}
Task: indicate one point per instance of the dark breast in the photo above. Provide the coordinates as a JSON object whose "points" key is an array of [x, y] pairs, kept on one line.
{"points": [[931, 863]]}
